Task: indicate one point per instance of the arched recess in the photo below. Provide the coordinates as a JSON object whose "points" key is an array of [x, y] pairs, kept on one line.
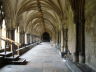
{"points": [[46, 37]]}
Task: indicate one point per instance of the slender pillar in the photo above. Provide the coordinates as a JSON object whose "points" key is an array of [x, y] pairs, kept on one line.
{"points": [[60, 39], [77, 43], [82, 42], [30, 38], [22, 38], [17, 35], [33, 38], [3, 43], [62, 42], [66, 40], [82, 32], [26, 40], [0, 36]]}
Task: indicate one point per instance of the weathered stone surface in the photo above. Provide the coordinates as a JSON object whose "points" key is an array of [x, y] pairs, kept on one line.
{"points": [[90, 33], [42, 58]]}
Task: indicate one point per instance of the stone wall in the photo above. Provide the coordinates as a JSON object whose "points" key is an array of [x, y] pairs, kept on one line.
{"points": [[90, 42], [90, 33], [72, 39], [71, 32]]}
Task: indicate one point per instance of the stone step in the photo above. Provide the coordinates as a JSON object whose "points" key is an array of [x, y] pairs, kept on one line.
{"points": [[1, 57], [21, 61], [6, 54], [12, 58]]}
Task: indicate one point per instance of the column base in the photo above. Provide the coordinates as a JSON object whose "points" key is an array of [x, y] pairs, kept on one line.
{"points": [[81, 58], [62, 54], [75, 57]]}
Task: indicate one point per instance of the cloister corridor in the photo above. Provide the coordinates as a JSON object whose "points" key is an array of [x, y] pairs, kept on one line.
{"points": [[47, 35]]}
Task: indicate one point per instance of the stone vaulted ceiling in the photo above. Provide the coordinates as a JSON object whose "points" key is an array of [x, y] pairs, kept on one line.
{"points": [[35, 16]]}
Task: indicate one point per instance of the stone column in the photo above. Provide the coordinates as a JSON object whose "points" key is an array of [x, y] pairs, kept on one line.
{"points": [[3, 43], [0, 36], [30, 38], [79, 19], [66, 40], [62, 42], [82, 42], [17, 35], [34, 39], [76, 54], [58, 40], [26, 40], [22, 38]]}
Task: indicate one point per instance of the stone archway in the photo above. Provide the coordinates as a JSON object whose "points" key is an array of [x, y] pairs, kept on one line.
{"points": [[46, 37]]}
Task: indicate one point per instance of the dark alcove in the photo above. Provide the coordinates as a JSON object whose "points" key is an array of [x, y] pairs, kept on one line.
{"points": [[46, 37]]}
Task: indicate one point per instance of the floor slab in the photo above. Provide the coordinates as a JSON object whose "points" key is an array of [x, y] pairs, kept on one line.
{"points": [[42, 58]]}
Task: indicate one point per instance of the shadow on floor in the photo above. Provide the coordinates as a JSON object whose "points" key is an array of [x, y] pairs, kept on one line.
{"points": [[85, 68]]}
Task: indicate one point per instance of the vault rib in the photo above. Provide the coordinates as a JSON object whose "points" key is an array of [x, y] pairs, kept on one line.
{"points": [[41, 14]]}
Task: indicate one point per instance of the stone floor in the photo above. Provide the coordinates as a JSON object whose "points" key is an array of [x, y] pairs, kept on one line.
{"points": [[42, 58]]}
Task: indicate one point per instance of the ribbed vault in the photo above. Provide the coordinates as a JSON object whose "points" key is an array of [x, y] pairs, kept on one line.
{"points": [[35, 16]]}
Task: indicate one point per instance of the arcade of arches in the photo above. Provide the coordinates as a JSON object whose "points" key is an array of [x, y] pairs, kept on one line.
{"points": [[68, 25]]}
